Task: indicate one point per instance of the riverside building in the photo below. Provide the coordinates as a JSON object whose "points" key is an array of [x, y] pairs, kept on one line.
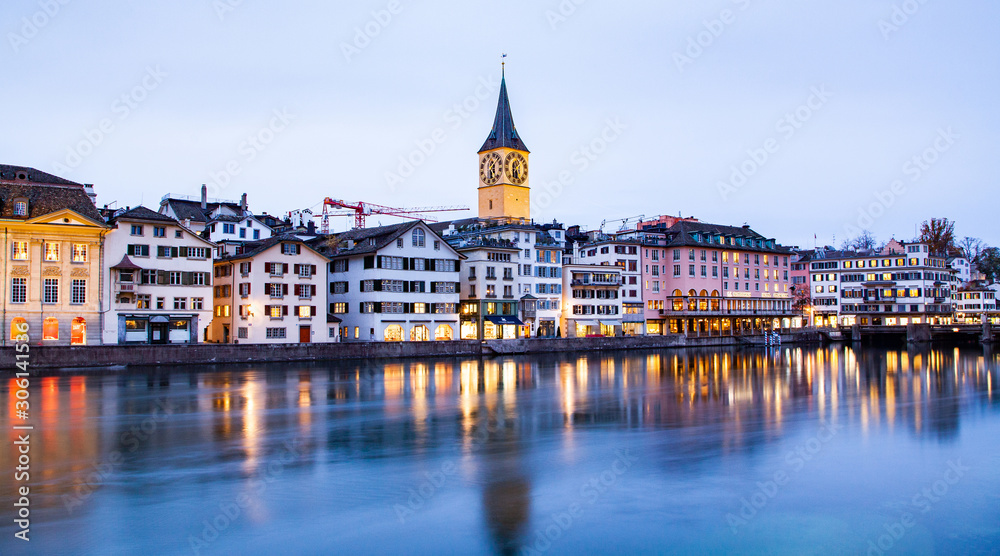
{"points": [[271, 292], [392, 283], [53, 237], [903, 283], [159, 282], [711, 279]]}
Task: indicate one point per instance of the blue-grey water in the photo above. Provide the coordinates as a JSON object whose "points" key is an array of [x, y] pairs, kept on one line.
{"points": [[788, 451]]}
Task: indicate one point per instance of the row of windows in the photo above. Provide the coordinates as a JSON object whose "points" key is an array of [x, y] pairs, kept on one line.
{"points": [[595, 310], [396, 307], [50, 251], [50, 291], [50, 330], [142, 301], [151, 276], [158, 231]]}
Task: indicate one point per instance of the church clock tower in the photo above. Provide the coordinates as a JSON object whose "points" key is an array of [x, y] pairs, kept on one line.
{"points": [[503, 168]]}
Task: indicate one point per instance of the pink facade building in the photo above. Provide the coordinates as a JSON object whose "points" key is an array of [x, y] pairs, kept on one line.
{"points": [[709, 279]]}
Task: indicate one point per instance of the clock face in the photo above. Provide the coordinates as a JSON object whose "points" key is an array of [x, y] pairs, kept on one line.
{"points": [[490, 167], [516, 168]]}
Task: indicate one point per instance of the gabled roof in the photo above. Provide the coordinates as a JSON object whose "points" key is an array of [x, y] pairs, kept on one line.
{"points": [[142, 213], [9, 173], [254, 248], [45, 194], [369, 240], [503, 134], [191, 210]]}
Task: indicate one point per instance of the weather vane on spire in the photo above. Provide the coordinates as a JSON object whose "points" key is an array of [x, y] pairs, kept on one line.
{"points": [[503, 62]]}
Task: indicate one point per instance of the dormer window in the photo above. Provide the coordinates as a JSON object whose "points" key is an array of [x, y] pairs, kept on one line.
{"points": [[20, 207]]}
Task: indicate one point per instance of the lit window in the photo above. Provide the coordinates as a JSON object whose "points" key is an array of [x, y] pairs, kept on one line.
{"points": [[78, 332], [51, 252], [50, 329], [19, 250], [20, 208], [305, 311], [79, 252]]}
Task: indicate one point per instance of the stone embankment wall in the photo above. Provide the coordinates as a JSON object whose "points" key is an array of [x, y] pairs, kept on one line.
{"points": [[112, 356]]}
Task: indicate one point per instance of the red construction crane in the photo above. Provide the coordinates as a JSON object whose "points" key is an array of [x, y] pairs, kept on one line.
{"points": [[362, 209]]}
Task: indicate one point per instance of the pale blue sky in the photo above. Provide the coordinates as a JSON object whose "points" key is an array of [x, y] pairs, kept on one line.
{"points": [[219, 75]]}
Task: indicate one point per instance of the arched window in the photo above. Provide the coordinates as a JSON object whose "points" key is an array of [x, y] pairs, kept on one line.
{"points": [[420, 333], [443, 332], [418, 237], [704, 293], [50, 329], [394, 333], [78, 332], [17, 327], [692, 293]]}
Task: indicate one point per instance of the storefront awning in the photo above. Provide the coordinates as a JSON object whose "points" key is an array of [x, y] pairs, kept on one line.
{"points": [[611, 323], [159, 318], [501, 320], [593, 323]]}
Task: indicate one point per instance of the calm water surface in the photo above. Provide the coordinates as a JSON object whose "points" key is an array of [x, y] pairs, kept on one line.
{"points": [[797, 451]]}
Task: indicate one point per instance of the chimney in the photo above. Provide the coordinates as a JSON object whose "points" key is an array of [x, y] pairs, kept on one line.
{"points": [[243, 204], [311, 227], [204, 197], [89, 188]]}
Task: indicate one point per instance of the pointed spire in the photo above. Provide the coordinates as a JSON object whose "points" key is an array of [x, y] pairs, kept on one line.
{"points": [[503, 134]]}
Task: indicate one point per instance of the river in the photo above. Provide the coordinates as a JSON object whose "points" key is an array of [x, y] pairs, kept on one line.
{"points": [[756, 451]]}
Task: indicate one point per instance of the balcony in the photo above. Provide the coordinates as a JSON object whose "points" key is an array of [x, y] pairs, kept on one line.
{"points": [[491, 296], [508, 278], [596, 283], [126, 287]]}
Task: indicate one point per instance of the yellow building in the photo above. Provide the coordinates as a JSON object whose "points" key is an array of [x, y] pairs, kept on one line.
{"points": [[52, 246], [503, 168]]}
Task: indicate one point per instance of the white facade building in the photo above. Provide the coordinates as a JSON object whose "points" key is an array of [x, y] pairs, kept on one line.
{"points": [[623, 252], [272, 292], [393, 283], [962, 268], [592, 304], [159, 282], [537, 260]]}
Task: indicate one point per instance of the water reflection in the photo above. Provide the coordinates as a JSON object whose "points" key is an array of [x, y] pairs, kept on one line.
{"points": [[225, 423]]}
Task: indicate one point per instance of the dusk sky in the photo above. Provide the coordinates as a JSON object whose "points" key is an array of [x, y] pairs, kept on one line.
{"points": [[179, 87]]}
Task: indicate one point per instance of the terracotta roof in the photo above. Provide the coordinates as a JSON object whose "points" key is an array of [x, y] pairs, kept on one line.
{"points": [[9, 173], [45, 194]]}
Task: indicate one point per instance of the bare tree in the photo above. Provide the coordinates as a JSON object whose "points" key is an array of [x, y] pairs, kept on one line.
{"points": [[939, 233], [864, 241], [971, 247]]}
